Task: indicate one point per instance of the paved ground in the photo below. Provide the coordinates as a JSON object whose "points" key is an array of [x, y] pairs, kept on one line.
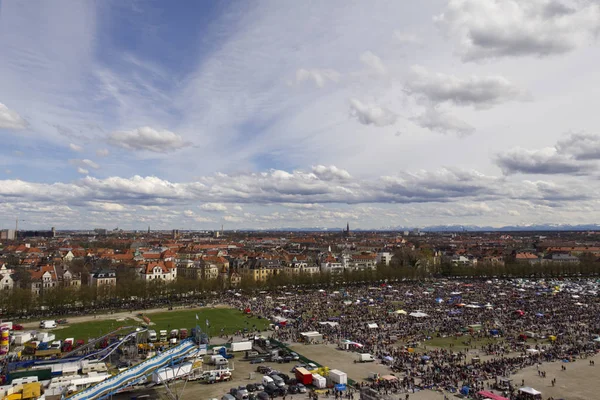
{"points": [[200, 391], [578, 382], [330, 356]]}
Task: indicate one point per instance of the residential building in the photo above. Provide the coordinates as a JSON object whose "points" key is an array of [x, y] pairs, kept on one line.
{"points": [[6, 280], [384, 258], [163, 270], [260, 269], [103, 278]]}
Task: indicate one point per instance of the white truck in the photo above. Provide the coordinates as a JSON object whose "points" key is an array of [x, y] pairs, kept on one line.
{"points": [[163, 335], [218, 360], [241, 346], [365, 357], [49, 324], [152, 336]]}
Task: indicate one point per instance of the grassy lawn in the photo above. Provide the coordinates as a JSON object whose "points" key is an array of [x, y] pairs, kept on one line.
{"points": [[92, 329], [229, 319]]}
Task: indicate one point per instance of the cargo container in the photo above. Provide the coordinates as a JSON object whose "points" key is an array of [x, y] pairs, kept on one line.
{"points": [[338, 377], [45, 336], [22, 338], [241, 346], [319, 382], [303, 376]]}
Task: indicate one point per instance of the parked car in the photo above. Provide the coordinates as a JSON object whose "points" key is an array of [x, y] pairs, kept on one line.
{"points": [[257, 361], [301, 388], [285, 377], [293, 389], [251, 387], [272, 389], [259, 387], [61, 321], [263, 369], [295, 356], [262, 396]]}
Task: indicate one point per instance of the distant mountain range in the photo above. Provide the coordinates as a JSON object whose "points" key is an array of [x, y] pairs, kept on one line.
{"points": [[452, 228]]}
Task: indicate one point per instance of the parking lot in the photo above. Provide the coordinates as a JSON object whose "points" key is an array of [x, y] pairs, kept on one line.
{"points": [[330, 356], [243, 374]]}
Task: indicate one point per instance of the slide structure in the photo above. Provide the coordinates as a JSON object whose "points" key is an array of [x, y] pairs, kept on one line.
{"points": [[134, 374], [92, 343]]}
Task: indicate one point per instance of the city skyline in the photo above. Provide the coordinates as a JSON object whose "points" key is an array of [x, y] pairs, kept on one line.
{"points": [[195, 115]]}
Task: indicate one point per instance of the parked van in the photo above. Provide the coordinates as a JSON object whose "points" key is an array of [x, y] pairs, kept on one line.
{"points": [[152, 336], [266, 380], [50, 324], [277, 380]]}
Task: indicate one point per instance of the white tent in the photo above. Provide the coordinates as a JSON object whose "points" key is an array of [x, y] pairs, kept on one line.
{"points": [[418, 314], [330, 323], [529, 390]]}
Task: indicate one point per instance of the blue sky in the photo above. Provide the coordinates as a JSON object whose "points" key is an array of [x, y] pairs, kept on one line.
{"points": [[277, 113]]}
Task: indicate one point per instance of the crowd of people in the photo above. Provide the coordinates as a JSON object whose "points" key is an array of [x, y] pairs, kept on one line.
{"points": [[494, 328]]}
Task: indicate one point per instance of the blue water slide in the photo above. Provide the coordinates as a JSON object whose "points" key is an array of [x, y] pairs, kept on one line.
{"points": [[134, 374]]}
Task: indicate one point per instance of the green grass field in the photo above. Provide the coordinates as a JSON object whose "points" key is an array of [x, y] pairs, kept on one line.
{"points": [[229, 320], [92, 329]]}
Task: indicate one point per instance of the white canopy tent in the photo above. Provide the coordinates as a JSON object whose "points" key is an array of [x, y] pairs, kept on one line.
{"points": [[529, 390], [418, 314]]}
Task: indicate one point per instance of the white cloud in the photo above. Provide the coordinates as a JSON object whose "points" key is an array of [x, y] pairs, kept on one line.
{"points": [[319, 76], [407, 38], [201, 219], [374, 62], [581, 146], [85, 163], [75, 147], [147, 138], [511, 28], [477, 91], [330, 172], [218, 207], [82, 171], [305, 206], [370, 114], [543, 161], [443, 122], [9, 119], [110, 207], [102, 152]]}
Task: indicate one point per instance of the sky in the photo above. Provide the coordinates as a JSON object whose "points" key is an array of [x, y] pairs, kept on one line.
{"points": [[273, 114]]}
